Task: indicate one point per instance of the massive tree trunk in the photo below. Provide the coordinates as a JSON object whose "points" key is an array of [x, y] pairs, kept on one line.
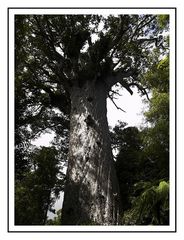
{"points": [[91, 192]]}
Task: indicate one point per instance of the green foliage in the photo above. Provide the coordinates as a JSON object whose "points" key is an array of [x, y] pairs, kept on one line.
{"points": [[159, 107], [60, 48], [38, 109], [128, 141], [163, 21], [156, 138], [158, 75], [39, 188], [142, 163], [56, 220], [149, 207]]}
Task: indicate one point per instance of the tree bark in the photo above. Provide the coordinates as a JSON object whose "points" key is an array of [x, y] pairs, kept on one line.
{"points": [[91, 191]]}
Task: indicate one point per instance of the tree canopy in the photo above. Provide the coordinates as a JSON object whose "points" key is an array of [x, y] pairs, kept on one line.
{"points": [[54, 52]]}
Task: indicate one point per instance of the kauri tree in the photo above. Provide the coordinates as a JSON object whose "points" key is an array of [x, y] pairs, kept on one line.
{"points": [[67, 65]]}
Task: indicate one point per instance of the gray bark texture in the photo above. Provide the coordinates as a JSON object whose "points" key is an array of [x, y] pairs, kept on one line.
{"points": [[91, 192]]}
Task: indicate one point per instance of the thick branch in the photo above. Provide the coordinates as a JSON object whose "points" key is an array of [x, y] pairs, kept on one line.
{"points": [[141, 88], [126, 86], [143, 40], [121, 76], [118, 77]]}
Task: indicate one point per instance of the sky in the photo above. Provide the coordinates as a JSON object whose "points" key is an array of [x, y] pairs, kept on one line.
{"points": [[131, 104]]}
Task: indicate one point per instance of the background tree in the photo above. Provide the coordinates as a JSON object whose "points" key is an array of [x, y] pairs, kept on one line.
{"points": [[127, 141], [157, 136], [34, 115], [70, 63], [142, 163], [38, 191]]}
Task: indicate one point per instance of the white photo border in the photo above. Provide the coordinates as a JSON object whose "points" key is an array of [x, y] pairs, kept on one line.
{"points": [[104, 11]]}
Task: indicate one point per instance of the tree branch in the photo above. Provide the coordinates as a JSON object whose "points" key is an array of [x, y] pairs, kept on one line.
{"points": [[48, 41], [141, 88], [119, 76], [142, 40], [126, 86], [115, 93], [111, 98], [117, 40], [139, 27]]}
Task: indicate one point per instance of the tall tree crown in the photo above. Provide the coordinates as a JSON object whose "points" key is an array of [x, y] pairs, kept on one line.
{"points": [[61, 51]]}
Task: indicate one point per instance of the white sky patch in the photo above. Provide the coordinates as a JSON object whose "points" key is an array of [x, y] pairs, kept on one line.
{"points": [[94, 36], [59, 50], [57, 206], [131, 104], [42, 91], [44, 139]]}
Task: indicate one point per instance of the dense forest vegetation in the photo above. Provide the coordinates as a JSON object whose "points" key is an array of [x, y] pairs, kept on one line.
{"points": [[65, 68]]}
